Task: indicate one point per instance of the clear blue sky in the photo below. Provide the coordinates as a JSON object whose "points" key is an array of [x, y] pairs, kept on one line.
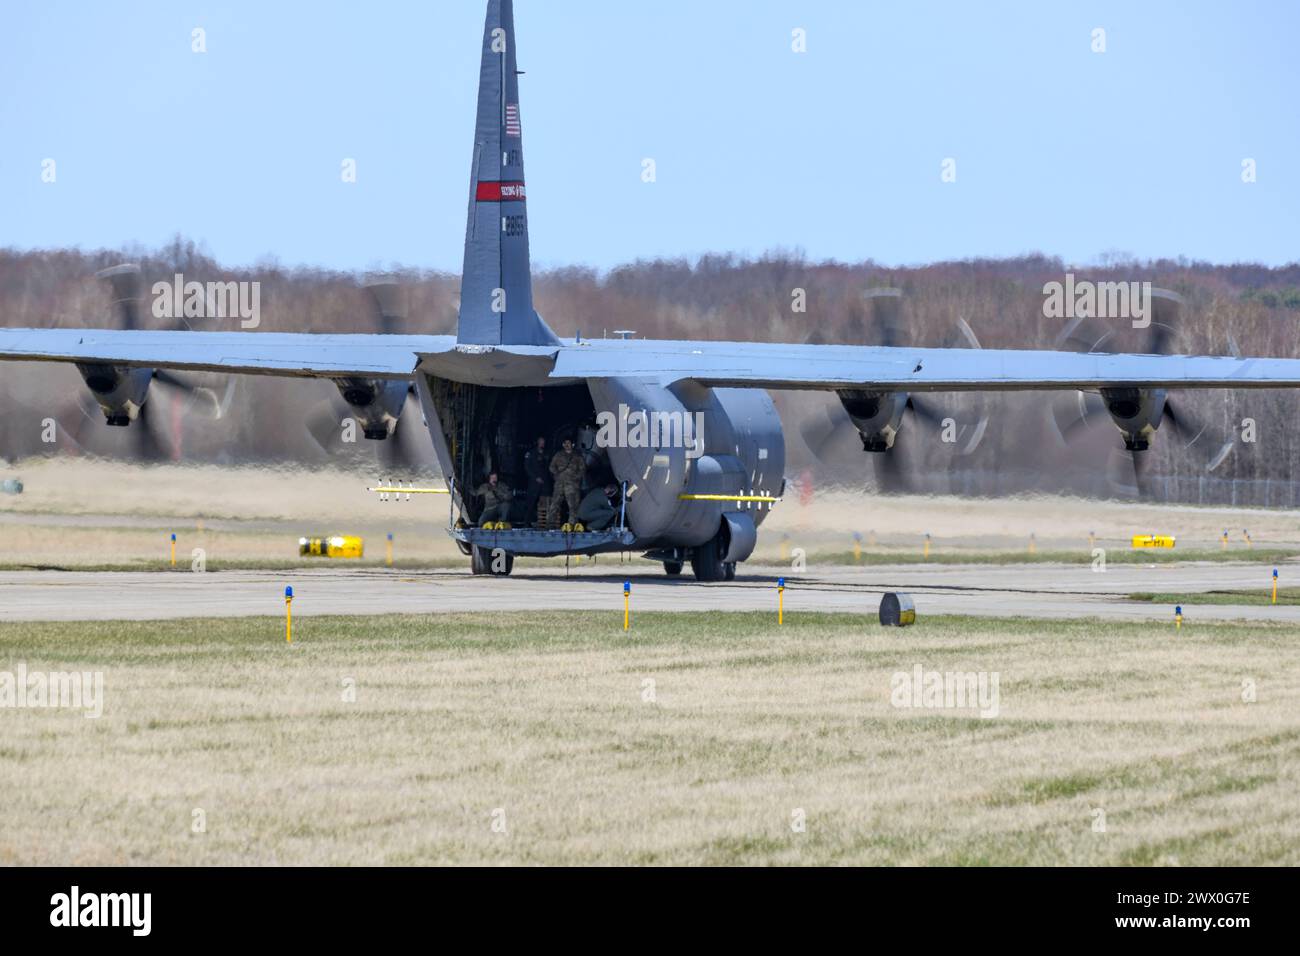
{"points": [[836, 151]]}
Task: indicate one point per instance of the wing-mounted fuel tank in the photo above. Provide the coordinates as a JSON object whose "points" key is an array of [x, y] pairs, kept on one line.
{"points": [[688, 439]]}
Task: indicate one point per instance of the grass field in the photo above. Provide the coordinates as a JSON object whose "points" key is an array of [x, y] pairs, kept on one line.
{"points": [[692, 739], [1254, 597]]}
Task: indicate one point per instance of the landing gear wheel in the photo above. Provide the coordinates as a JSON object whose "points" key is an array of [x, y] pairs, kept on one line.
{"points": [[487, 561], [706, 562], [673, 568], [730, 572]]}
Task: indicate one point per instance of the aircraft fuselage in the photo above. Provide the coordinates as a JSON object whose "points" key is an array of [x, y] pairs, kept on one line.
{"points": [[657, 443]]}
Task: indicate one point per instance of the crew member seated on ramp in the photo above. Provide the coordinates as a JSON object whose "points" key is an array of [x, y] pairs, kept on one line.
{"points": [[596, 511], [497, 498], [567, 467]]}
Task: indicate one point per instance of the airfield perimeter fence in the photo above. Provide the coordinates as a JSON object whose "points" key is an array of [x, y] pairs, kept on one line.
{"points": [[1238, 492], [1164, 489]]}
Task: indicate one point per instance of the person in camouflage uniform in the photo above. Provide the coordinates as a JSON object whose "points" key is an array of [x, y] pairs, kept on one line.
{"points": [[568, 467], [497, 497], [539, 478]]}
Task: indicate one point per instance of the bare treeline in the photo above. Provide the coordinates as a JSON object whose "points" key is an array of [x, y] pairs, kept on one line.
{"points": [[780, 297]]}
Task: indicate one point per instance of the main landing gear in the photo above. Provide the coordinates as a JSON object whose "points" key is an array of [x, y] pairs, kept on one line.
{"points": [[490, 561], [708, 564]]}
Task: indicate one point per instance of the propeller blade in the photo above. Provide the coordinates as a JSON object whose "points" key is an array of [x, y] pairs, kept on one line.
{"points": [[925, 411], [1166, 320], [1084, 334], [966, 332], [124, 280], [886, 316], [387, 300], [325, 425], [969, 433], [1140, 459], [818, 430], [142, 441], [890, 475], [197, 396], [409, 448], [1077, 410], [1185, 423]]}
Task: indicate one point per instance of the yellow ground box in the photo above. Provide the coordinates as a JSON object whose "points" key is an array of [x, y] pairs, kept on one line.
{"points": [[1153, 540], [335, 546]]}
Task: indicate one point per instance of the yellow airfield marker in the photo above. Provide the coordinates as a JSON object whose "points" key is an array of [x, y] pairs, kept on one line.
{"points": [[627, 604], [1033, 544], [926, 553], [1223, 543], [1275, 585], [1246, 534], [1092, 540], [388, 557], [173, 549], [857, 547], [785, 547], [288, 614], [780, 600], [1178, 618], [1154, 541]]}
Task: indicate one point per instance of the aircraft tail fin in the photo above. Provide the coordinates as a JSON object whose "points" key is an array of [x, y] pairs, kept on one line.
{"points": [[496, 296]]}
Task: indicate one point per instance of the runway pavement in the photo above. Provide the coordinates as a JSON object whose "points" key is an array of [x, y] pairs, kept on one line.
{"points": [[1038, 590]]}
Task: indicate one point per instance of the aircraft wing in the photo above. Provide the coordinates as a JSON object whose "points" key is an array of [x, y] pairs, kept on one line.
{"points": [[255, 353], [724, 364], [826, 367]]}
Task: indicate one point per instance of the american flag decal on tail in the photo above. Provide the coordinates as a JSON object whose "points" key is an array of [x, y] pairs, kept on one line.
{"points": [[512, 119]]}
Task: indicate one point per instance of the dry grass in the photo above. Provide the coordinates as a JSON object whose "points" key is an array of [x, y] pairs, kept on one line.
{"points": [[544, 716]]}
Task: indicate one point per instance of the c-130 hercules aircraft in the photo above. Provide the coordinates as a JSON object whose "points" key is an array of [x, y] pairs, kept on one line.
{"points": [[506, 377]]}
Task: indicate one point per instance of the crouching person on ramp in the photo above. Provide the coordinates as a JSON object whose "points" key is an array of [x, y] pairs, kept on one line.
{"points": [[497, 498]]}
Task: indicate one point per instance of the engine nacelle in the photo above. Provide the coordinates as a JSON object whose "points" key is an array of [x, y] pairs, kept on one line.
{"points": [[1136, 412], [375, 403], [876, 415], [119, 392]]}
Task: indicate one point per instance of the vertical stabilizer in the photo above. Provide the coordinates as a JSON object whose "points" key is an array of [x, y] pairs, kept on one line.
{"points": [[496, 291]]}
